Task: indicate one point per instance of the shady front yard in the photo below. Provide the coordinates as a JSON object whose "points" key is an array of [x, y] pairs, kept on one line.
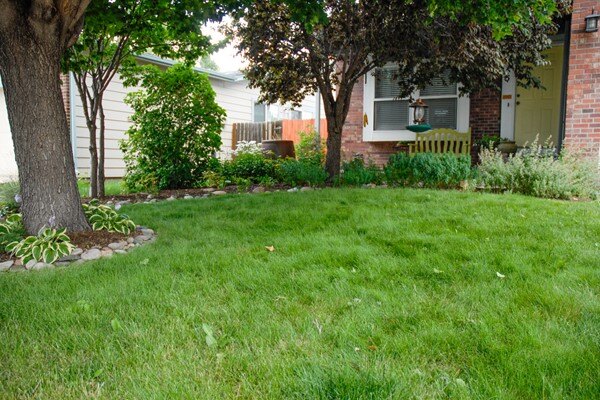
{"points": [[368, 294]]}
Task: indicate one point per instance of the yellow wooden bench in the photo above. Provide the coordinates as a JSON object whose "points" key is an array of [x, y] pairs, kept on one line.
{"points": [[442, 140]]}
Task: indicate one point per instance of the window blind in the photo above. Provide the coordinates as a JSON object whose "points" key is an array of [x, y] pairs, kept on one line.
{"points": [[391, 115], [441, 113], [386, 86]]}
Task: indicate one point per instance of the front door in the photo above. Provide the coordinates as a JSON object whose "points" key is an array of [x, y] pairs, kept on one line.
{"points": [[538, 110]]}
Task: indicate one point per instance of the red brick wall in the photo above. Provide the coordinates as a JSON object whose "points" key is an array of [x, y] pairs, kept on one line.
{"points": [[352, 143], [484, 117], [582, 125]]}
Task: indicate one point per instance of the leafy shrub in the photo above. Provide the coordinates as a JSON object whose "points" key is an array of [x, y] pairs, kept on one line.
{"points": [[48, 246], [214, 178], [248, 166], [428, 169], [176, 129], [301, 172], [9, 198], [310, 149], [102, 217], [11, 230], [537, 172], [356, 173]]}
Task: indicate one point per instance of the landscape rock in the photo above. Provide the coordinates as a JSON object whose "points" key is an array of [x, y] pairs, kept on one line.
{"points": [[149, 197], [18, 262], [30, 264], [120, 252], [208, 190], [76, 251], [295, 189], [171, 198], [219, 192], [70, 257], [258, 189], [117, 245], [5, 265], [17, 267], [106, 252], [130, 240], [188, 197], [141, 239], [306, 189], [147, 232], [62, 263], [41, 265], [91, 254]]}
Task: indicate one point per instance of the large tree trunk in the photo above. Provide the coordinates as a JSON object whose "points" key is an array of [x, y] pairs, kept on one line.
{"points": [[31, 46], [334, 147]]}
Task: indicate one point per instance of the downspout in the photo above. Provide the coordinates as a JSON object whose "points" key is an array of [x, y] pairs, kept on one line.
{"points": [[565, 78], [73, 124]]}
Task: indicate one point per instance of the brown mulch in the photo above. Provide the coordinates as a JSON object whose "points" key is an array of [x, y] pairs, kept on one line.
{"points": [[87, 240]]}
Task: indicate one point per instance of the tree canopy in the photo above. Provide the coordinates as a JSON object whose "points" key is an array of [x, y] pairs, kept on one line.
{"points": [[467, 42]]}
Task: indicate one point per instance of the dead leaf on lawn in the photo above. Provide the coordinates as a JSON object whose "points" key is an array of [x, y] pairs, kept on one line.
{"points": [[372, 347], [270, 248], [437, 271], [499, 275]]}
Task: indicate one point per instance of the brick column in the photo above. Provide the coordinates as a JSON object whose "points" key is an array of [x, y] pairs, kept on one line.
{"points": [[582, 125]]}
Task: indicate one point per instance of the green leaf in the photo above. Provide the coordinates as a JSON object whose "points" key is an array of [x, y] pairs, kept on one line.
{"points": [[210, 338]]}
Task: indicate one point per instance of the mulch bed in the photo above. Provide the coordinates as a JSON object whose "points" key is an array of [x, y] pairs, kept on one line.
{"points": [[87, 240]]}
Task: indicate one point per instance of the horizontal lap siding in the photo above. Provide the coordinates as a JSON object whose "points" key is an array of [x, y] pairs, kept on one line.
{"points": [[117, 121], [235, 97]]}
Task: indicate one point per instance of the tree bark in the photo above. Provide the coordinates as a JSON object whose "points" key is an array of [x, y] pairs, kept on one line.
{"points": [[101, 157], [31, 46], [334, 147]]}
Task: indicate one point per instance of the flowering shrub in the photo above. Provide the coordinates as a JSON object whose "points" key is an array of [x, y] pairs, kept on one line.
{"points": [[247, 147]]}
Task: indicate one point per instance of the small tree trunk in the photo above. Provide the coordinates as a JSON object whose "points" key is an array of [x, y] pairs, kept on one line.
{"points": [[29, 67], [100, 184], [93, 160]]}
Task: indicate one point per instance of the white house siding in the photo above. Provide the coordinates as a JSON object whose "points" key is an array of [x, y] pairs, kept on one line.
{"points": [[235, 97], [8, 165], [117, 121]]}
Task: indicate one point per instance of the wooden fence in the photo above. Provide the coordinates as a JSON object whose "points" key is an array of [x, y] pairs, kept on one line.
{"points": [[287, 129], [293, 127], [255, 131]]}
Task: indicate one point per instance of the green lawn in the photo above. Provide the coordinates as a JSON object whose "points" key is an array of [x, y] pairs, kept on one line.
{"points": [[111, 187], [369, 294]]}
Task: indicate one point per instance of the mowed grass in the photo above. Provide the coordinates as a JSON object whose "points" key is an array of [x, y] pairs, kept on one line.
{"points": [[369, 294], [112, 187]]}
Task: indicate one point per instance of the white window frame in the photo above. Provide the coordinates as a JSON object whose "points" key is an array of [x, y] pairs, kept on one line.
{"points": [[371, 135]]}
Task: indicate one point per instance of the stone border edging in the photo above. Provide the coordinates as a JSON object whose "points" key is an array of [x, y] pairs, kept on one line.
{"points": [[140, 237]]}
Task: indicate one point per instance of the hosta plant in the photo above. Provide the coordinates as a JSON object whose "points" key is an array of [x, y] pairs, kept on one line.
{"points": [[102, 217], [48, 246], [11, 230]]}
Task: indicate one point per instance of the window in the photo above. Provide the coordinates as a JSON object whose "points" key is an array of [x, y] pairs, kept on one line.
{"points": [[259, 113], [295, 114], [387, 115]]}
